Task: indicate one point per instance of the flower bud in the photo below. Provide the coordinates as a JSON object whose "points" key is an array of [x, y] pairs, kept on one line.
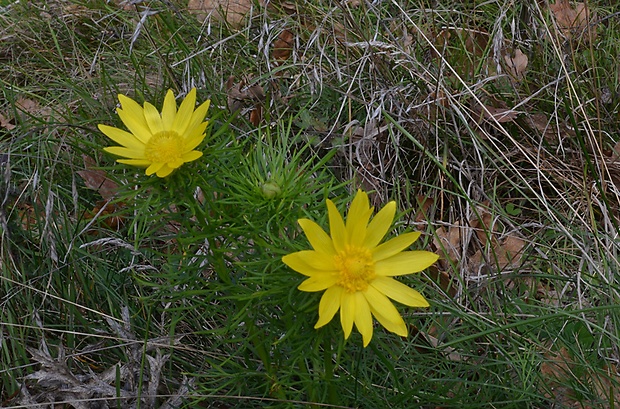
{"points": [[270, 189]]}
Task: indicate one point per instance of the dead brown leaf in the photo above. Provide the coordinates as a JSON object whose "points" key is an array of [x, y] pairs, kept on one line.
{"points": [[96, 179], [512, 250], [6, 122], [452, 354], [500, 253], [289, 7], [233, 12], [424, 204], [28, 218], [493, 252], [256, 115], [547, 295], [444, 280], [540, 122], [242, 92], [29, 107], [483, 224], [489, 113], [76, 10], [615, 155], [282, 47], [551, 130], [449, 44], [504, 254], [26, 110], [244, 95], [448, 242], [572, 21], [558, 369], [123, 4], [109, 214], [516, 63]]}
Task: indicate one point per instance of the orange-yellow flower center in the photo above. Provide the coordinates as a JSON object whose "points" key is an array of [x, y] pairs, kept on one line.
{"points": [[356, 268], [164, 147]]}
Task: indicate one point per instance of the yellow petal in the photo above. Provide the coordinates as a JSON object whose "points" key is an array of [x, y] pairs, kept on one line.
{"points": [[191, 144], [309, 262], [121, 137], [191, 156], [184, 115], [195, 131], [125, 152], [363, 319], [154, 167], [193, 138], [379, 302], [329, 305], [357, 218], [399, 327], [319, 240], [379, 226], [199, 115], [169, 110], [336, 226], [407, 262], [175, 164], [130, 106], [153, 118], [135, 162], [357, 234], [164, 171], [132, 116], [395, 245], [399, 292], [347, 312], [318, 282], [359, 206]]}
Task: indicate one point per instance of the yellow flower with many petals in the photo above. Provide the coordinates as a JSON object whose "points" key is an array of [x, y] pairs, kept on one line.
{"points": [[356, 271], [160, 142]]}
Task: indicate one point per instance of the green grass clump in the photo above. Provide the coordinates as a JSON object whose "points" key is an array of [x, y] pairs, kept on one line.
{"points": [[171, 292]]}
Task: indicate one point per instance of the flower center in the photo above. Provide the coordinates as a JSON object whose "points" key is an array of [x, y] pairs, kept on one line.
{"points": [[356, 268], [164, 147]]}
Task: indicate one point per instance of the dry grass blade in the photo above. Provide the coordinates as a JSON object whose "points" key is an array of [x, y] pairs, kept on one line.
{"points": [[59, 380]]}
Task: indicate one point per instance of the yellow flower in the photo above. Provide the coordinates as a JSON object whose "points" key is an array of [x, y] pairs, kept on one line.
{"points": [[161, 142], [356, 271]]}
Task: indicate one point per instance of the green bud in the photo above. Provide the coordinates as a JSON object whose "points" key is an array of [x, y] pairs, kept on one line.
{"points": [[270, 189]]}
